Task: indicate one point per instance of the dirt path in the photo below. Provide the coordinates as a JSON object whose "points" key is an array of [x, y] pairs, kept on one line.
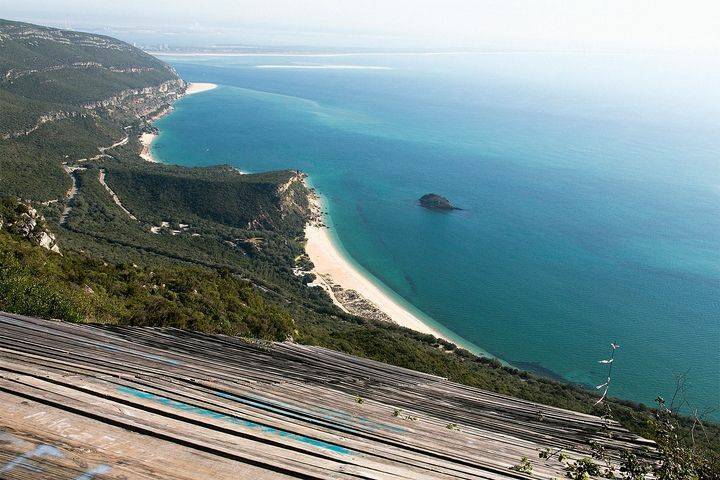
{"points": [[116, 144], [70, 194], [71, 169], [116, 199]]}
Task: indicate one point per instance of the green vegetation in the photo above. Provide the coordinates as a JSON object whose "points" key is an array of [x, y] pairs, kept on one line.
{"points": [[77, 288], [80, 288], [45, 70], [221, 195], [676, 457], [523, 467], [64, 94], [31, 166]]}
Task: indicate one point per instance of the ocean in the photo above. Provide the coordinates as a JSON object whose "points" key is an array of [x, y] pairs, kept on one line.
{"points": [[589, 188]]}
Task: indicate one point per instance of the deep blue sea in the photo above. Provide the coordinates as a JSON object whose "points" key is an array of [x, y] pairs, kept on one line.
{"points": [[590, 189]]}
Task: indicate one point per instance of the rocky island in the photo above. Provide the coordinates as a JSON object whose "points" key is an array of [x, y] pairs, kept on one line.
{"points": [[433, 201]]}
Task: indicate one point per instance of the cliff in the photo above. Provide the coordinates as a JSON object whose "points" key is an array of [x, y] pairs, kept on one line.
{"points": [[64, 95], [79, 102], [23, 220], [48, 74]]}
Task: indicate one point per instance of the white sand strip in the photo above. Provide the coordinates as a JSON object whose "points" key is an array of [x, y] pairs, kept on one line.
{"points": [[193, 88], [328, 260], [146, 140]]}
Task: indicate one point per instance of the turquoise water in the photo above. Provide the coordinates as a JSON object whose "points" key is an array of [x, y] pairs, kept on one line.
{"points": [[590, 188]]}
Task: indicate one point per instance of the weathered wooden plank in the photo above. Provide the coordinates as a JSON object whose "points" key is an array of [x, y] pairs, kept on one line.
{"points": [[362, 454], [284, 406], [88, 446]]}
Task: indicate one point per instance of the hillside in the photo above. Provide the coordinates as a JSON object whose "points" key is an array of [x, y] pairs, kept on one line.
{"points": [[201, 249], [49, 75], [70, 149], [64, 94]]}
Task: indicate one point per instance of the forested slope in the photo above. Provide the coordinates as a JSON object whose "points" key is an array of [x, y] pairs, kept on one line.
{"points": [[50, 73]]}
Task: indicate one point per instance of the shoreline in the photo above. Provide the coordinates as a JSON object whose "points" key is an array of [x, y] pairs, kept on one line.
{"points": [[352, 289], [146, 139], [337, 275], [198, 87]]}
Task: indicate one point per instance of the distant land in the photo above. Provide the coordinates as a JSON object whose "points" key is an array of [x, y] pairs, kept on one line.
{"points": [[91, 232], [164, 49]]}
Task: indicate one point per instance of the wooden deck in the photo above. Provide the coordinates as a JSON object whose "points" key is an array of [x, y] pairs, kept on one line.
{"points": [[83, 402]]}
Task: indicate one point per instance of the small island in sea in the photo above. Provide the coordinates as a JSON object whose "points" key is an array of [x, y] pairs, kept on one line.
{"points": [[434, 201]]}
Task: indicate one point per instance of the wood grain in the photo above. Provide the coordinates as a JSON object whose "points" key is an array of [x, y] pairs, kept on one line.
{"points": [[84, 402]]}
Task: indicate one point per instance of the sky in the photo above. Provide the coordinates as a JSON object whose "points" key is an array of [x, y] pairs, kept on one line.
{"points": [[515, 24]]}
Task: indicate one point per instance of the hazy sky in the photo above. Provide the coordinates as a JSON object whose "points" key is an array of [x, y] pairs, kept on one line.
{"points": [[566, 24]]}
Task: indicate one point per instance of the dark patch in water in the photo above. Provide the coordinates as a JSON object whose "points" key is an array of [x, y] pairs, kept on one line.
{"points": [[410, 283], [537, 369]]}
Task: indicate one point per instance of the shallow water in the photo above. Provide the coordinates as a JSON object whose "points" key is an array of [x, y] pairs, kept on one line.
{"points": [[590, 188]]}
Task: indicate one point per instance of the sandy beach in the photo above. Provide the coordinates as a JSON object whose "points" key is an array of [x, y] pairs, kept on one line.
{"points": [[331, 264], [146, 139], [193, 88]]}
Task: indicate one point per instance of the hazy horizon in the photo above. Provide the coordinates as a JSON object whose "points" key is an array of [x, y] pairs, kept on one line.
{"points": [[595, 25]]}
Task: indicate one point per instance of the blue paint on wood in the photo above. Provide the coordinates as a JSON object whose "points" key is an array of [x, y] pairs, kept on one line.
{"points": [[363, 420], [90, 474], [7, 438], [23, 461], [237, 421], [326, 413]]}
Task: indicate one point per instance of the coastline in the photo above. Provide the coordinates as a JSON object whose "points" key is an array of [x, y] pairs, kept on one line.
{"points": [[337, 275], [351, 288], [199, 87], [146, 139]]}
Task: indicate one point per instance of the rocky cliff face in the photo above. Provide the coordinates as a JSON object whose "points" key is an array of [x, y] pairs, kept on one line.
{"points": [[23, 220], [48, 74], [293, 196], [291, 200], [142, 103]]}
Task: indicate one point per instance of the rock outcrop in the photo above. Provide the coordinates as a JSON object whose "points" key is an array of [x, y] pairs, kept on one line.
{"points": [[146, 103], [63, 74], [433, 201], [293, 196], [21, 219]]}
